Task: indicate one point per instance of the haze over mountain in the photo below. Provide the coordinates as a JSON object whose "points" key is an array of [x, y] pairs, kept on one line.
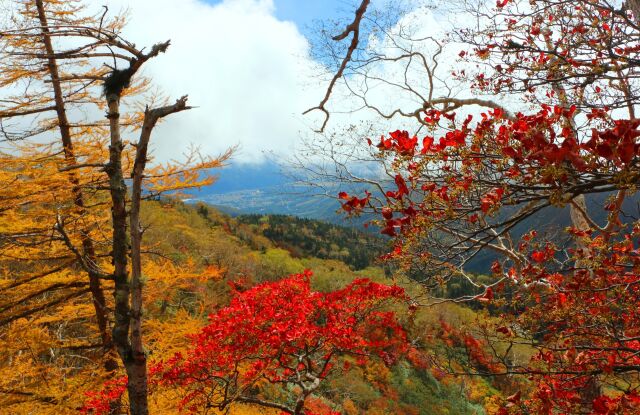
{"points": [[265, 189]]}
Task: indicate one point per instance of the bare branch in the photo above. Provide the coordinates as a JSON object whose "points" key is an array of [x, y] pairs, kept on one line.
{"points": [[354, 28]]}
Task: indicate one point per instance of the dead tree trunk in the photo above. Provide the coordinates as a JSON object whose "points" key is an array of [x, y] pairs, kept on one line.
{"points": [[137, 389], [88, 249], [127, 329]]}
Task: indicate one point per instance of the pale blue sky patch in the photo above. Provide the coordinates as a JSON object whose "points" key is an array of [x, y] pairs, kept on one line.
{"points": [[305, 12]]}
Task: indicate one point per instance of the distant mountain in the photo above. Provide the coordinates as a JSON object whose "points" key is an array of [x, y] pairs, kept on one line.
{"points": [[281, 200], [265, 189], [239, 177], [551, 223]]}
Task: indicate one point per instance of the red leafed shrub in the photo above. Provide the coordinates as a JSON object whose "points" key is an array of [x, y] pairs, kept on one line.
{"points": [[281, 333]]}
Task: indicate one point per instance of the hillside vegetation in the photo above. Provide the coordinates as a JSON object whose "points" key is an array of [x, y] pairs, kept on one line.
{"points": [[202, 251], [312, 238], [251, 249]]}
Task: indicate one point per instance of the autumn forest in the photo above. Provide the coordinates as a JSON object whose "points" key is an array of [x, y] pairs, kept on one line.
{"points": [[479, 159]]}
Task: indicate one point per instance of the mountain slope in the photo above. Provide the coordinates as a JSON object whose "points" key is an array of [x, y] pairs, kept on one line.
{"points": [[311, 238]]}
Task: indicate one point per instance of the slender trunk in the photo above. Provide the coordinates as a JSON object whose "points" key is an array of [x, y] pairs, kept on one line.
{"points": [[132, 357], [137, 347], [151, 117], [577, 210], [88, 248]]}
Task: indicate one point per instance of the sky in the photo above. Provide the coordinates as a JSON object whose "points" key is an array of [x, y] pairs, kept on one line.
{"points": [[248, 70], [246, 66], [304, 12]]}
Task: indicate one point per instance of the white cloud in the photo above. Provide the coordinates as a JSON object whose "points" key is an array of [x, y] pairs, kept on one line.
{"points": [[248, 73], [251, 77]]}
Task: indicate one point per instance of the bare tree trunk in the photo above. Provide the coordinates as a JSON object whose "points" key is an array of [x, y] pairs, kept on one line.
{"points": [[134, 363], [128, 315], [151, 117], [137, 348], [88, 248]]}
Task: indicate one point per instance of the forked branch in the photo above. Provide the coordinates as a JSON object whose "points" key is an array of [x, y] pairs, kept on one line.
{"points": [[354, 28]]}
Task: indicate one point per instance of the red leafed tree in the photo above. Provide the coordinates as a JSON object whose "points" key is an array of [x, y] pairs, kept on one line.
{"points": [[281, 334], [577, 308], [471, 182]]}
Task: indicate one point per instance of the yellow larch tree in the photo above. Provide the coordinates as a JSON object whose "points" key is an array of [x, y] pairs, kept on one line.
{"points": [[71, 187]]}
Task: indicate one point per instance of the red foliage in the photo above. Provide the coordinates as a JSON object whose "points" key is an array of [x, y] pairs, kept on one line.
{"points": [[283, 333], [473, 184], [353, 204], [584, 320], [101, 402]]}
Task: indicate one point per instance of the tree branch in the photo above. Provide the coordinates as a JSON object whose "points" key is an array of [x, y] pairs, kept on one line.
{"points": [[354, 28]]}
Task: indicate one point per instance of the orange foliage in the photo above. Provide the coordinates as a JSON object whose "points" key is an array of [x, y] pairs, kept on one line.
{"points": [[55, 217]]}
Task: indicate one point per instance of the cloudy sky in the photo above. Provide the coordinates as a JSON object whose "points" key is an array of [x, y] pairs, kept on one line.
{"points": [[244, 63], [247, 68]]}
